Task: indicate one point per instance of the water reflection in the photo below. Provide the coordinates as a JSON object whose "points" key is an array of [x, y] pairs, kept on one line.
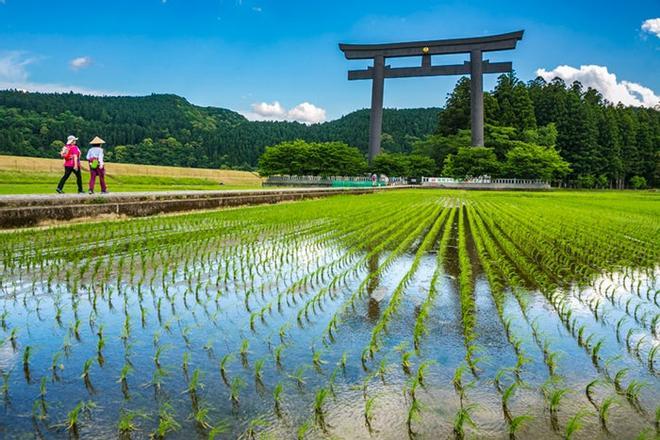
{"points": [[375, 295]]}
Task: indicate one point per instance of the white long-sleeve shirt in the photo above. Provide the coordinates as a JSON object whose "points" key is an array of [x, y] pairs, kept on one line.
{"points": [[96, 152]]}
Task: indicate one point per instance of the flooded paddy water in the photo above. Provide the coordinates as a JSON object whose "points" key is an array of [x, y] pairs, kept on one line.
{"points": [[409, 314]]}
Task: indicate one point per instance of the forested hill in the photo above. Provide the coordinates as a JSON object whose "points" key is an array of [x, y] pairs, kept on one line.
{"points": [[168, 130]]}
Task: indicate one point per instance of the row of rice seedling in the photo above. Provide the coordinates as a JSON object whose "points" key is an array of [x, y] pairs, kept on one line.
{"points": [[566, 261], [496, 283], [564, 311], [406, 236], [396, 296], [420, 329], [465, 286], [259, 322]]}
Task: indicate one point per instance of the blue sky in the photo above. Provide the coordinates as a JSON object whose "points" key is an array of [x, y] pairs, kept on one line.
{"points": [[266, 57]]}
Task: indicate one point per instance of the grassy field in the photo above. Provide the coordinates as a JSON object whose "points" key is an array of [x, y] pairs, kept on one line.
{"points": [[24, 175], [405, 314]]}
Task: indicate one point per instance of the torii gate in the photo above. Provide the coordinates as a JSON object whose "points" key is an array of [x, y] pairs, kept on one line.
{"points": [[476, 67]]}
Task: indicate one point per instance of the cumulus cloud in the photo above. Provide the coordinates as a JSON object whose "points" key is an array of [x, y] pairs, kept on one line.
{"points": [[304, 112], [599, 78], [652, 26], [80, 63], [14, 75], [274, 110]]}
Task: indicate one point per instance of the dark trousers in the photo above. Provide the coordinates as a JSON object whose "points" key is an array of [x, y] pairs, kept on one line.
{"points": [[92, 178], [67, 173]]}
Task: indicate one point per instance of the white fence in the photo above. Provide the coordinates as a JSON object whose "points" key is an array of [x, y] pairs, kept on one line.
{"points": [[485, 182], [335, 181]]}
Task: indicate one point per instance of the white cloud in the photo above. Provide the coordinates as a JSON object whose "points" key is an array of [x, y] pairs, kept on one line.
{"points": [[599, 78], [308, 113], [304, 112], [14, 75], [274, 110], [652, 26], [80, 63], [12, 66], [257, 9]]}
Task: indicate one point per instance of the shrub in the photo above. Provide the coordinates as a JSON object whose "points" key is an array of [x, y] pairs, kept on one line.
{"points": [[637, 182], [529, 161], [472, 162]]}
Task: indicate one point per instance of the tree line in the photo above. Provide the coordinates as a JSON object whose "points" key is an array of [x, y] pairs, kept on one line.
{"points": [[536, 130], [548, 130], [605, 145], [168, 130]]}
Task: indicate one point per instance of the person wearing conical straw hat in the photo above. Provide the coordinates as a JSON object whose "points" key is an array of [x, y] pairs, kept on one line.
{"points": [[96, 164]]}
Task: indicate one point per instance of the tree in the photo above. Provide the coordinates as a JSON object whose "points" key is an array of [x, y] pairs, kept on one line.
{"points": [[420, 166], [516, 109], [472, 162], [529, 161], [391, 164], [609, 140], [523, 108], [549, 100], [339, 159], [286, 158], [321, 158], [542, 135], [576, 139], [438, 147], [504, 95], [501, 139], [456, 115]]}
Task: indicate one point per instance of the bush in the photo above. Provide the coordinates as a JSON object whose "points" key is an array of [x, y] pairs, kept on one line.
{"points": [[602, 181], [472, 162], [529, 161], [586, 181], [637, 182]]}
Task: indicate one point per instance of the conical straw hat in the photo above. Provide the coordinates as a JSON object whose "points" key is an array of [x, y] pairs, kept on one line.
{"points": [[97, 141]]}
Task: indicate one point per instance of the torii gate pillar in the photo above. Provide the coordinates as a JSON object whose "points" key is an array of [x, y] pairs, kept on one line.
{"points": [[476, 98], [376, 115], [476, 68]]}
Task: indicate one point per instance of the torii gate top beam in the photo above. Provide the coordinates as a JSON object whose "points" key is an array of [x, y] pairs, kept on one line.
{"points": [[476, 68], [434, 47]]}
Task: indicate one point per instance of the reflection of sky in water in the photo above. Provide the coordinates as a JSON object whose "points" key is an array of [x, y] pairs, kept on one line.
{"points": [[8, 358]]}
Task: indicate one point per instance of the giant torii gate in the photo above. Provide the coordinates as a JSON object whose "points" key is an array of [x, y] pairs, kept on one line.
{"points": [[476, 67]]}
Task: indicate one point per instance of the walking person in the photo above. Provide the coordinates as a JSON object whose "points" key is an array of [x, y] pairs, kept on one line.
{"points": [[71, 155], [96, 164]]}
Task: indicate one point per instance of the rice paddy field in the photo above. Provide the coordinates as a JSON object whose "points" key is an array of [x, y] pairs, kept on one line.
{"points": [[403, 314]]}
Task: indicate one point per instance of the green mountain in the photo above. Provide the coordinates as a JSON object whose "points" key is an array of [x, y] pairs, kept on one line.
{"points": [[168, 130]]}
